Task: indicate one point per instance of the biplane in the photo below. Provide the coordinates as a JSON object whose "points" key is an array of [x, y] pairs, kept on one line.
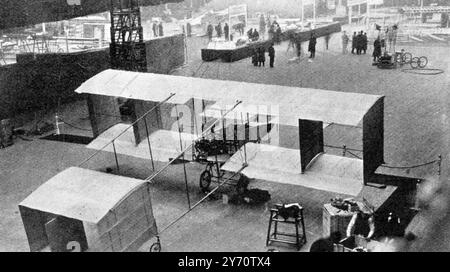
{"points": [[267, 132]]}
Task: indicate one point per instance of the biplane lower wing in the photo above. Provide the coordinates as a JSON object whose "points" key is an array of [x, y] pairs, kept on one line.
{"points": [[326, 172], [165, 144]]}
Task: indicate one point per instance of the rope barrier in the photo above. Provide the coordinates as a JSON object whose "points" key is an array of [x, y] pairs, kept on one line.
{"points": [[348, 150], [354, 155], [432, 72], [342, 147], [410, 166]]}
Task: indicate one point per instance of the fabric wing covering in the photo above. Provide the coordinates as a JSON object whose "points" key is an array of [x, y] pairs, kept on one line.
{"points": [[165, 144], [294, 103], [282, 165], [115, 212]]}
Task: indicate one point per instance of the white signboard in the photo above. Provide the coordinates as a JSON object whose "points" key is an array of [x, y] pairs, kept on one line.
{"points": [[237, 10], [355, 2]]}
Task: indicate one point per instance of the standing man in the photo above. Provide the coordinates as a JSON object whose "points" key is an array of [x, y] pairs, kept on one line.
{"points": [[327, 41], [364, 42], [226, 31], [298, 46], [161, 29], [278, 33], [255, 57], [312, 46], [219, 30], [376, 49], [345, 41], [271, 55], [255, 35], [354, 42], [209, 31], [359, 43], [262, 56], [155, 29]]}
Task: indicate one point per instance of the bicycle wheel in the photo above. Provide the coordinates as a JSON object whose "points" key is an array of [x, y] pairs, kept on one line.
{"points": [[156, 247], [415, 63], [407, 57], [423, 61]]}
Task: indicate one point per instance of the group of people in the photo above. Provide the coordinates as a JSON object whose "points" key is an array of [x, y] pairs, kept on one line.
{"points": [[259, 56], [297, 45], [158, 29], [219, 31], [359, 43], [253, 35], [275, 32]]}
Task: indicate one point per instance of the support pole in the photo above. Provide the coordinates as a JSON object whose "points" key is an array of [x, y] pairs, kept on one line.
{"points": [[350, 14], [314, 12], [115, 156], [303, 14], [149, 145], [368, 15], [258, 135], [184, 161]]}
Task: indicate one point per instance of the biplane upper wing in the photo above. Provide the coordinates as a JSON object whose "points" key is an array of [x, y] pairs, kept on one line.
{"points": [[288, 103]]}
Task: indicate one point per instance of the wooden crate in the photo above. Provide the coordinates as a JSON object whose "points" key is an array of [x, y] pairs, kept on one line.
{"points": [[334, 219]]}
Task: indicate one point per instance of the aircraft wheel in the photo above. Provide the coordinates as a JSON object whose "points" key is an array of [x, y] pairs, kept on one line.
{"points": [[205, 180]]}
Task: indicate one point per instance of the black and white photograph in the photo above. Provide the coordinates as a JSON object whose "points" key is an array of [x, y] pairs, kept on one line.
{"points": [[214, 126]]}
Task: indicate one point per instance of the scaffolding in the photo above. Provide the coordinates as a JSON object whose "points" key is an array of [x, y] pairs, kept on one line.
{"points": [[127, 48]]}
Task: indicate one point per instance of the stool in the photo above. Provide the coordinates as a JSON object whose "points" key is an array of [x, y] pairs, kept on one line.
{"points": [[277, 236]]}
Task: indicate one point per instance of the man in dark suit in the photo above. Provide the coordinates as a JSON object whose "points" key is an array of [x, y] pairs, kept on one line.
{"points": [[271, 55], [312, 46], [226, 31]]}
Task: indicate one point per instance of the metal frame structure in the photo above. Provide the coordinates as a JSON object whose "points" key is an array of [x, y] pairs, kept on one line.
{"points": [[127, 48]]}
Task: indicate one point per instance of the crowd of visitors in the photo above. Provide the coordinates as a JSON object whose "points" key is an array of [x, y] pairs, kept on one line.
{"points": [[359, 43]]}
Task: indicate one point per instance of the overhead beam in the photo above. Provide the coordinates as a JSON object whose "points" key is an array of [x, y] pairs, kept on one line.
{"points": [[22, 13]]}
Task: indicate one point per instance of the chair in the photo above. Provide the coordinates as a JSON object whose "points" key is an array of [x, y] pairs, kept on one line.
{"points": [[291, 214]]}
